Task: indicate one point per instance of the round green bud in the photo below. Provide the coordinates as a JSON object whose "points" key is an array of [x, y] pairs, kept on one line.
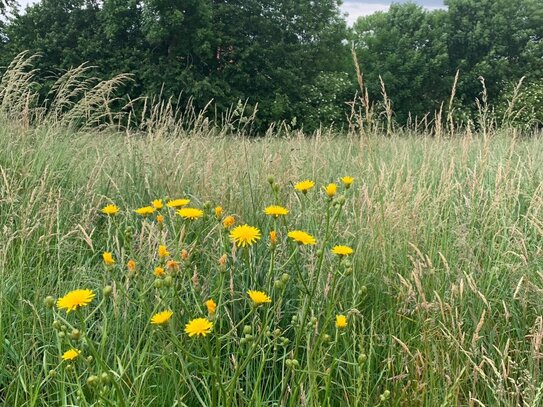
{"points": [[276, 332], [285, 341], [57, 324], [107, 290], [295, 363], [104, 377], [285, 277], [364, 289], [75, 335], [242, 341], [382, 397], [288, 363], [247, 329], [249, 337], [158, 283], [49, 302], [319, 253], [93, 380], [271, 180], [89, 359], [362, 358], [61, 334], [386, 394], [278, 284], [168, 281], [326, 338], [52, 373]]}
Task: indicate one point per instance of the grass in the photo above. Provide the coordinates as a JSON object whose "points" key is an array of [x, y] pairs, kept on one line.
{"points": [[442, 294]]}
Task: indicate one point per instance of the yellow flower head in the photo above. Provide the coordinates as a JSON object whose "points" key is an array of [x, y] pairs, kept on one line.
{"points": [[145, 211], [211, 307], [172, 265], [331, 190], [110, 210], [304, 186], [71, 354], [342, 250], [245, 235], [347, 181], [160, 219], [163, 251], [302, 237], [198, 327], [228, 222], [131, 265], [218, 212], [273, 237], [108, 259], [190, 213], [75, 299], [258, 297], [159, 272], [341, 321], [161, 318], [276, 211], [177, 203], [157, 204]]}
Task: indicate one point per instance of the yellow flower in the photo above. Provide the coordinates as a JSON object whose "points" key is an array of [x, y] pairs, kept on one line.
{"points": [[131, 265], [160, 219], [331, 190], [302, 237], [157, 204], [245, 235], [199, 327], [211, 306], [342, 250], [228, 222], [276, 211], [75, 299], [347, 181], [190, 213], [108, 259], [259, 297], [218, 212], [71, 354], [341, 321], [273, 237], [163, 251], [110, 210], [172, 265], [159, 272], [161, 318], [145, 211], [177, 203], [304, 186]]}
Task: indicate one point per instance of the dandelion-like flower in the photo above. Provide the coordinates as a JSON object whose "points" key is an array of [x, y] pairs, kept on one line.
{"points": [[145, 211], [342, 250], [302, 237], [110, 210], [198, 327], [190, 213], [108, 259], [161, 318], [228, 222], [347, 181], [157, 204], [273, 237], [172, 265], [331, 190], [258, 297], [341, 321], [163, 251], [177, 203], [131, 265], [245, 235], [276, 211], [160, 219], [75, 299], [159, 272], [71, 354], [218, 212], [211, 306], [304, 186]]}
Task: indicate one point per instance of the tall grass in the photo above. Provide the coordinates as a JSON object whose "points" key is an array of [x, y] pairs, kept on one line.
{"points": [[444, 300]]}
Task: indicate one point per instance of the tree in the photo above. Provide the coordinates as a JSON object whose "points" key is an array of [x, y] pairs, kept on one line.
{"points": [[407, 47]]}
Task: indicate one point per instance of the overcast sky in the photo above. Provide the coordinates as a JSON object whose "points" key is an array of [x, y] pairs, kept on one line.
{"points": [[355, 8]]}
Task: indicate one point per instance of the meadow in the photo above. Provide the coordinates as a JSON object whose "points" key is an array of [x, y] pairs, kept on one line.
{"points": [[417, 284]]}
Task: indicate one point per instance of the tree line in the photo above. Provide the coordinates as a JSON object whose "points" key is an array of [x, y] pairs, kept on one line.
{"points": [[292, 58]]}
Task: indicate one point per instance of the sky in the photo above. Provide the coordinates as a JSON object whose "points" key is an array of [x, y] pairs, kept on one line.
{"points": [[354, 8]]}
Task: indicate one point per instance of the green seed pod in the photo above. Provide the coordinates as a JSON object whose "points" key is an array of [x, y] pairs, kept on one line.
{"points": [[61, 334], [285, 277], [288, 363], [93, 380], [168, 281], [89, 359], [386, 394], [319, 253], [49, 302], [277, 332], [247, 329], [52, 373], [364, 289], [242, 341], [278, 284], [295, 363], [56, 325], [249, 337], [107, 291], [158, 283], [104, 378], [326, 338], [285, 341]]}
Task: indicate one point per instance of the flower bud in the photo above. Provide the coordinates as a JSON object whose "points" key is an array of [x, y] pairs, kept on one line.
{"points": [[168, 281], [107, 291], [158, 283], [93, 380], [49, 302], [362, 358], [104, 377], [56, 324], [285, 278], [75, 335], [271, 180], [247, 329]]}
